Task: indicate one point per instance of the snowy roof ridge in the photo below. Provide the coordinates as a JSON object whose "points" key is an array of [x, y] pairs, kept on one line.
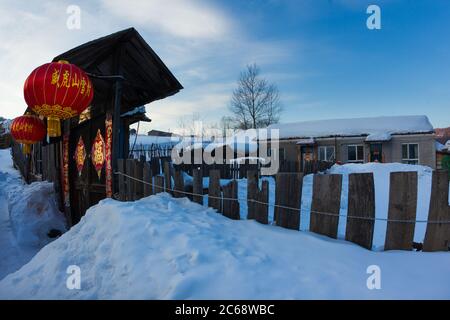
{"points": [[383, 126], [136, 110]]}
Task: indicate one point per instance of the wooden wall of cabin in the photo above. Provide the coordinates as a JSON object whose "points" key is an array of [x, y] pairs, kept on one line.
{"points": [[86, 187]]}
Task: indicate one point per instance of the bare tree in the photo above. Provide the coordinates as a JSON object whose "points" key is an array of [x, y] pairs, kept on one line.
{"points": [[255, 102], [188, 125]]}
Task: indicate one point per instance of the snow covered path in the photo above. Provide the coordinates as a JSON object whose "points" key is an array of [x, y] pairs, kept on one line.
{"points": [[12, 257], [26, 214], [165, 248]]}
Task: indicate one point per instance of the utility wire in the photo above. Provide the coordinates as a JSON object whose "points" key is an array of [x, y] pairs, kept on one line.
{"points": [[284, 207]]}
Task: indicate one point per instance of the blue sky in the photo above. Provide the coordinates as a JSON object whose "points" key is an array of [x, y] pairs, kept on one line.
{"points": [[325, 61]]}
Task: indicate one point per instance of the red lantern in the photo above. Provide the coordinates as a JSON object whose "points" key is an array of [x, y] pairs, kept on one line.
{"points": [[27, 129], [58, 91]]}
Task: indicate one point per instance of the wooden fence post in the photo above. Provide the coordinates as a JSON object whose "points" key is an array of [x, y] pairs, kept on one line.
{"points": [[121, 179], [178, 183], [44, 162], [262, 206], [148, 177], [155, 165], [129, 167], [159, 184], [252, 193], [214, 194], [197, 185], [437, 236], [257, 210], [167, 177], [139, 175], [402, 206], [231, 207], [325, 204], [288, 193], [361, 204]]}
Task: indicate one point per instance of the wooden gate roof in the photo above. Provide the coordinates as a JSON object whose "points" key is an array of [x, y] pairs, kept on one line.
{"points": [[126, 53]]}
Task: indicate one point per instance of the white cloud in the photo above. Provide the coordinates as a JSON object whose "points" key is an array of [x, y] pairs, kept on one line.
{"points": [[180, 18], [203, 46], [209, 100]]}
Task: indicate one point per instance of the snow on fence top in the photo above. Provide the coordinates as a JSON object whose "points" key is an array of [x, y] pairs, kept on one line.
{"points": [[243, 141], [158, 140], [375, 128]]}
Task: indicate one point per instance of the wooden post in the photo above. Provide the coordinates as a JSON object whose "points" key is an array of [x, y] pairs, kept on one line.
{"points": [[361, 204], [325, 204], [148, 188], [214, 193], [437, 236], [44, 162], [288, 193], [129, 164], [252, 193], [159, 184], [178, 183], [139, 175], [197, 185], [167, 177], [402, 206], [231, 207], [156, 168], [262, 206], [50, 166], [257, 210], [121, 179]]}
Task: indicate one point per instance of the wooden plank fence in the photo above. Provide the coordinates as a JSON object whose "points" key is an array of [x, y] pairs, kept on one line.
{"points": [[326, 203], [325, 206], [214, 190], [437, 236], [402, 206], [361, 209], [257, 199], [197, 186], [288, 190]]}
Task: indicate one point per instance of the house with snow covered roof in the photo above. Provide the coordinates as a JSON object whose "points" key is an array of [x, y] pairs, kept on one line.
{"points": [[405, 139]]}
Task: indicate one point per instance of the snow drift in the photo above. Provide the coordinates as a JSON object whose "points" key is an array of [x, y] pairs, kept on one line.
{"points": [[34, 213], [165, 248], [27, 214]]}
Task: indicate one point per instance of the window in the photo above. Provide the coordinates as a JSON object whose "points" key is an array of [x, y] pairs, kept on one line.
{"points": [[410, 153], [327, 153], [356, 153]]}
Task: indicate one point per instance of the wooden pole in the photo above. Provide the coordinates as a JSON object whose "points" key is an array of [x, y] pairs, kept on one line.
{"points": [[197, 185]]}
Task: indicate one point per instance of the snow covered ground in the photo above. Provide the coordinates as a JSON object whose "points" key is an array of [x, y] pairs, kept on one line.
{"points": [[165, 248], [27, 214]]}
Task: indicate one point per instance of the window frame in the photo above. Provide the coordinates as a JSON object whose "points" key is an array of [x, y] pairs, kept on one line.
{"points": [[325, 153], [408, 160], [356, 153]]}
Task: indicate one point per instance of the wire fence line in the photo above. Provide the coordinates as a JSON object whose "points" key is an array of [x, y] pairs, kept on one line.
{"points": [[282, 206]]}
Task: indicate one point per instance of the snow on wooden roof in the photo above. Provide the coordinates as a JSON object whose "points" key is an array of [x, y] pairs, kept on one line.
{"points": [[375, 128]]}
